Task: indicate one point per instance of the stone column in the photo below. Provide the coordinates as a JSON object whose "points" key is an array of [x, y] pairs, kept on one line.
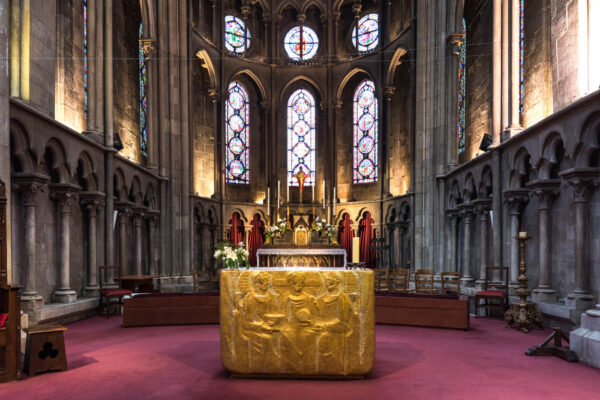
{"points": [[124, 213], [465, 212], [138, 218], [205, 242], [385, 167], [65, 196], [545, 191], [483, 207], [93, 202], [515, 84], [516, 200], [496, 72], [153, 217], [455, 41], [453, 215], [583, 181], [505, 53], [30, 187]]}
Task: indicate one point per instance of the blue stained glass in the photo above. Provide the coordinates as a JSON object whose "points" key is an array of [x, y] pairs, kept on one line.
{"points": [[237, 134], [301, 125], [462, 90], [365, 133], [143, 101], [85, 59], [301, 43], [521, 52], [365, 35], [237, 36]]}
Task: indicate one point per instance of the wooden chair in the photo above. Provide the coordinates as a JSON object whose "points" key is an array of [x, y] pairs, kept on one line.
{"points": [[108, 292], [382, 277], [202, 280], [493, 290], [398, 280], [450, 282], [424, 281]]}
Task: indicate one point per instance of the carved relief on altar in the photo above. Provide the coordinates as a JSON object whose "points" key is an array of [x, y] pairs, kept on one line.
{"points": [[307, 322]]}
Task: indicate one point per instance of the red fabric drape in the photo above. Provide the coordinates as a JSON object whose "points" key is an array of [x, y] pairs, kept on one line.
{"points": [[367, 255], [255, 240], [236, 233], [346, 235]]}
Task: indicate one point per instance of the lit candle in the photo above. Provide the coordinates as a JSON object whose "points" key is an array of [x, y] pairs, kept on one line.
{"points": [[323, 194], [355, 249], [278, 193], [268, 200], [333, 201], [522, 234]]}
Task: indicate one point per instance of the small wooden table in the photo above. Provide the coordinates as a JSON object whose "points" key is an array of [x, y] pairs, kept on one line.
{"points": [[45, 349], [138, 283]]}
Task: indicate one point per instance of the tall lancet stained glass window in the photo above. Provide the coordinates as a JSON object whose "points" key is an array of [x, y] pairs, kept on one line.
{"points": [[143, 88], [301, 136], [521, 52], [365, 133], [462, 90], [365, 35], [237, 37], [85, 59], [301, 43], [237, 134]]}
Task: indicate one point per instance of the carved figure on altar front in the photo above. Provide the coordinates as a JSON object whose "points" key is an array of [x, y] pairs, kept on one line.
{"points": [[336, 311], [259, 326], [300, 337]]}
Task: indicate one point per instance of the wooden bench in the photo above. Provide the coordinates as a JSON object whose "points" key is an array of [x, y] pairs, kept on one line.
{"points": [[171, 309], [436, 311]]}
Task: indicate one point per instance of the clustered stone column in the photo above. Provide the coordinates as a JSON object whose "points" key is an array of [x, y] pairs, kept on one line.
{"points": [[483, 208], [516, 200], [545, 191], [466, 214], [138, 218], [64, 195], [153, 217], [93, 202], [453, 262], [124, 214]]}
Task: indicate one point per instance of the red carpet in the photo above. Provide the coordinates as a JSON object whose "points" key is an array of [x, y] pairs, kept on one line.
{"points": [[181, 362]]}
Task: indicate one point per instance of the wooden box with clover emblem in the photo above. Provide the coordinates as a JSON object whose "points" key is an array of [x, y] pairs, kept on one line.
{"points": [[306, 322]]}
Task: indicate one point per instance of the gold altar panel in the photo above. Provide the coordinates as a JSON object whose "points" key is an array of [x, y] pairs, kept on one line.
{"points": [[297, 322]]}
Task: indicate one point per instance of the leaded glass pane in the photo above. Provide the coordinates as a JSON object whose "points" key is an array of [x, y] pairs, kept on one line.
{"points": [[237, 134], [85, 59], [301, 43], [301, 136], [521, 52], [143, 105], [365, 133], [462, 86], [237, 37], [365, 35]]}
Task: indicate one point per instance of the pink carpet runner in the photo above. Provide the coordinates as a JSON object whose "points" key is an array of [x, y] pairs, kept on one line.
{"points": [[182, 362]]}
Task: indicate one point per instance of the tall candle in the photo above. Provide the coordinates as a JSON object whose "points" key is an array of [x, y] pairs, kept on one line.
{"points": [[333, 201], [278, 194], [313, 193], [288, 192], [323, 193], [355, 249], [268, 200]]}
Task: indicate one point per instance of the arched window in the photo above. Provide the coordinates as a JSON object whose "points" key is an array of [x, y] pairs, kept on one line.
{"points": [[237, 134], [462, 87], [85, 59], [365, 35], [237, 36], [301, 43], [365, 133], [301, 136], [143, 106], [521, 52]]}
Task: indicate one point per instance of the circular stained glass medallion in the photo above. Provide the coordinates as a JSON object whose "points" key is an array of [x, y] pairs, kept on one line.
{"points": [[236, 123], [366, 98], [366, 122], [301, 128], [366, 168], [237, 37], [236, 168], [366, 144], [365, 35], [301, 43], [236, 100], [236, 145], [301, 106]]}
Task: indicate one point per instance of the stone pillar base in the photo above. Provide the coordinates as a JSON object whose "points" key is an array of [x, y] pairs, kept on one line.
{"points": [[91, 291], [585, 341], [578, 303], [544, 295], [30, 303], [64, 296], [467, 282]]}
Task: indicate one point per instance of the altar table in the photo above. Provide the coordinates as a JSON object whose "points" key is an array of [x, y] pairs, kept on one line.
{"points": [[298, 256], [303, 322]]}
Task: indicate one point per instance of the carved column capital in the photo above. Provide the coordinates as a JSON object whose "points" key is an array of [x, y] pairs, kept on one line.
{"points": [[213, 95], [545, 191], [516, 199], [301, 17], [30, 186], [455, 41], [92, 200], [466, 211], [583, 181], [148, 47], [389, 92], [356, 9], [65, 196], [265, 104]]}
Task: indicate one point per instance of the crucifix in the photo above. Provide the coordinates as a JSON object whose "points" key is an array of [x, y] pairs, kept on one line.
{"points": [[301, 176]]}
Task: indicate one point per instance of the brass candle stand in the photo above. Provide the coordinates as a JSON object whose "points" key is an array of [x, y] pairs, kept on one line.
{"points": [[523, 313]]}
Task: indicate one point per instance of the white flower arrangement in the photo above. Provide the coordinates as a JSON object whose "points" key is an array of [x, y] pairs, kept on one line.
{"points": [[232, 256], [277, 230], [321, 226]]}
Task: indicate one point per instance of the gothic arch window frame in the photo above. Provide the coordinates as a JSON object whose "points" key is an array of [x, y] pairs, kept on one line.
{"points": [[462, 92], [366, 133], [237, 139], [370, 44], [233, 34], [143, 89], [299, 54], [301, 136]]}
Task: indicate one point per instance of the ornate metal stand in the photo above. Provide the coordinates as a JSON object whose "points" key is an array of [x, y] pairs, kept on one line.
{"points": [[379, 245], [552, 346], [523, 313]]}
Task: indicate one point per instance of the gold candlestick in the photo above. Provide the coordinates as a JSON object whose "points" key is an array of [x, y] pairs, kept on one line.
{"points": [[523, 313]]}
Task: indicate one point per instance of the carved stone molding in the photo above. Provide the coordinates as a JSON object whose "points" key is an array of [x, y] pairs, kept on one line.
{"points": [[92, 200], [30, 186], [482, 206], [148, 47], [455, 40], [583, 181], [213, 95], [545, 191], [516, 199], [65, 195]]}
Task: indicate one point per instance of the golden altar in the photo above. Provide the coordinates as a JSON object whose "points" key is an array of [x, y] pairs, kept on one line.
{"points": [[307, 322], [301, 256]]}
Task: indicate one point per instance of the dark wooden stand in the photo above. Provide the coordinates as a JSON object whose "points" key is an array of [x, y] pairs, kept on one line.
{"points": [[552, 346], [45, 349]]}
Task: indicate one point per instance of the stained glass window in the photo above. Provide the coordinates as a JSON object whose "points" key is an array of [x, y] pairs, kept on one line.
{"points": [[85, 59], [365, 133], [462, 90], [143, 106], [301, 136], [521, 52], [237, 37], [237, 134], [365, 35], [301, 43]]}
